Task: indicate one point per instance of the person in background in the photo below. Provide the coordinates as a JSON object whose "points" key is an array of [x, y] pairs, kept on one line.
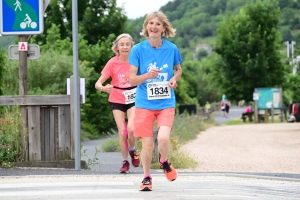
{"points": [[248, 109], [207, 109], [222, 107], [227, 107], [121, 97], [153, 62]]}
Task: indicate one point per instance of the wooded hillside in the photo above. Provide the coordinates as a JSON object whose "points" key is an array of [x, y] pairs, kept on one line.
{"points": [[197, 21]]}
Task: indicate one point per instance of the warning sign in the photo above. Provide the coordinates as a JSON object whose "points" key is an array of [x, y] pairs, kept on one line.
{"points": [[23, 46]]}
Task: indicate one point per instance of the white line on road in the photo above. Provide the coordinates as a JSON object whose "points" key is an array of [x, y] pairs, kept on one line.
{"points": [[231, 197], [65, 192], [64, 184]]}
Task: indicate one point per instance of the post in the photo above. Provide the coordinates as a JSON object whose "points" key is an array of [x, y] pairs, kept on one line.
{"points": [[23, 91], [255, 109], [281, 106], [76, 85], [272, 111]]}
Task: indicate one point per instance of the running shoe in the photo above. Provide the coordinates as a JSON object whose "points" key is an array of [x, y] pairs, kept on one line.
{"points": [[146, 184], [169, 170], [125, 167], [135, 160]]}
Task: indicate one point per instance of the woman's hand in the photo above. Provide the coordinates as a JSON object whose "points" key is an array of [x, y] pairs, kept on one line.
{"points": [[107, 88], [153, 73], [172, 83]]}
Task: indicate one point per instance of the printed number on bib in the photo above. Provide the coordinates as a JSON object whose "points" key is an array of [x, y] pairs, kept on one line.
{"points": [[158, 90], [130, 96]]}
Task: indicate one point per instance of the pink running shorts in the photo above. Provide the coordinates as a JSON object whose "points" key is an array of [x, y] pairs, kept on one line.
{"points": [[144, 119]]}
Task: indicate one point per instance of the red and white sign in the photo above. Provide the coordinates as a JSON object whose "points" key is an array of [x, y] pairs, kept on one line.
{"points": [[23, 46]]}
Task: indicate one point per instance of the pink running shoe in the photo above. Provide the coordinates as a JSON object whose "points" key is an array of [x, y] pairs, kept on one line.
{"points": [[135, 160], [125, 167]]}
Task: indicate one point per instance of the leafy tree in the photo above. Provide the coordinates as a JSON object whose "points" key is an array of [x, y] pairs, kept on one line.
{"points": [[201, 53], [249, 46], [96, 19], [291, 92]]}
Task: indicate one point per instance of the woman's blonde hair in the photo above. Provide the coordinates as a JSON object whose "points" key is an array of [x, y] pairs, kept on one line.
{"points": [[115, 43], [168, 32]]}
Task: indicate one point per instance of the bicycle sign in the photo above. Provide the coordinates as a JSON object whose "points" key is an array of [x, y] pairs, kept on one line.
{"points": [[21, 17]]}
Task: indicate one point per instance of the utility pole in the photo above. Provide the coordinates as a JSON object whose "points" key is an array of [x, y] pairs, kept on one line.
{"points": [[290, 54], [76, 113]]}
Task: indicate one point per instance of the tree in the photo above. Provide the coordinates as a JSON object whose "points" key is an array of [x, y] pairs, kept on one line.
{"points": [[96, 19], [249, 46], [201, 53]]}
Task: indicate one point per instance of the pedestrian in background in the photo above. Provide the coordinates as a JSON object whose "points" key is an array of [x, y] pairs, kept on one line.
{"points": [[248, 110], [222, 107], [121, 97], [153, 62], [207, 109], [227, 108]]}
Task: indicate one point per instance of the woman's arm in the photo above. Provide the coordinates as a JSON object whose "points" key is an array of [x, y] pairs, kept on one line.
{"points": [[134, 79], [177, 75], [99, 85]]}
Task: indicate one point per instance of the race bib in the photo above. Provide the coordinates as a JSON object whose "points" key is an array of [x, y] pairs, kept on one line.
{"points": [[158, 90], [130, 96]]}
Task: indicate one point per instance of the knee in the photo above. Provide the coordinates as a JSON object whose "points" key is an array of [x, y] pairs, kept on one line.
{"points": [[122, 133], [130, 129], [122, 137], [148, 147], [163, 140]]}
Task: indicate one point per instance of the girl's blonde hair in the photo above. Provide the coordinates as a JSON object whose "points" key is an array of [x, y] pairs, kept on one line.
{"points": [[168, 32], [115, 43]]}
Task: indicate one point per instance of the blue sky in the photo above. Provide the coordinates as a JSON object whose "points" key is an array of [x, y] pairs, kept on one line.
{"points": [[138, 8]]}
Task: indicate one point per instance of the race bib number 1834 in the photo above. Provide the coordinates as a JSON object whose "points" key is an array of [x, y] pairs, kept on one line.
{"points": [[158, 90]]}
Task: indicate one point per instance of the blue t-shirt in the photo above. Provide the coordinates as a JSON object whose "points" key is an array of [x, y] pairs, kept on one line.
{"points": [[145, 57]]}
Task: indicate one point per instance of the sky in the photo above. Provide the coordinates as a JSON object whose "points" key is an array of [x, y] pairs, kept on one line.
{"points": [[138, 8]]}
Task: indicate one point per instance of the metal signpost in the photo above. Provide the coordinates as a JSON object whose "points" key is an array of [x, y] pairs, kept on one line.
{"points": [[76, 84]]}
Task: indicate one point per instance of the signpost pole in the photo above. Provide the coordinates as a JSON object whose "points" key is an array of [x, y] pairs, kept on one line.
{"points": [[255, 109], [23, 91], [76, 85]]}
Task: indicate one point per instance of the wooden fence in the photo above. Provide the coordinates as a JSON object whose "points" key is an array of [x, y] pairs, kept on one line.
{"points": [[49, 125], [47, 133]]}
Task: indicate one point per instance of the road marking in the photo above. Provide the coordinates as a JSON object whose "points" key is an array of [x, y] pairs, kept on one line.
{"points": [[222, 195], [63, 188], [65, 192], [64, 184]]}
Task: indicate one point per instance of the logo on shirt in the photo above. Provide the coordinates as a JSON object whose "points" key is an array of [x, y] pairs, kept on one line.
{"points": [[162, 76], [123, 78]]}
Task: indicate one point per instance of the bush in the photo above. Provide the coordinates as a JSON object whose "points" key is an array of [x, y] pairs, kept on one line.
{"points": [[111, 145], [10, 137]]}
